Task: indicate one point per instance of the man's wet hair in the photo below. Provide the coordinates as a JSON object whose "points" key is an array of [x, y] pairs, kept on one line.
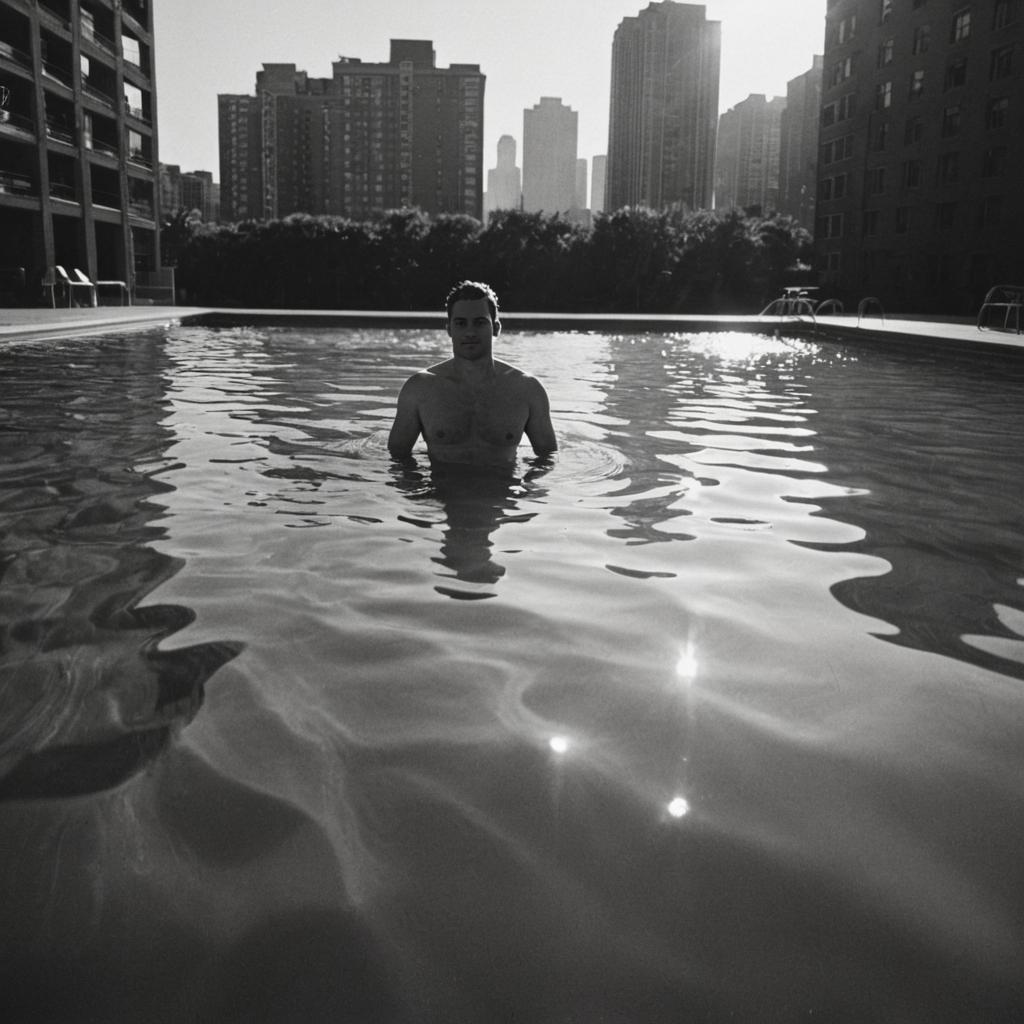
{"points": [[473, 290]]}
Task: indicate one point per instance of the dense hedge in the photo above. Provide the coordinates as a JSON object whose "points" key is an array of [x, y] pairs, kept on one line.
{"points": [[633, 260]]}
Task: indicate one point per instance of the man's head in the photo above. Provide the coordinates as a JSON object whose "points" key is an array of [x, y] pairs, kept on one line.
{"points": [[468, 290]]}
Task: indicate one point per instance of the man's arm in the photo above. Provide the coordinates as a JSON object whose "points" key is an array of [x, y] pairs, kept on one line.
{"points": [[406, 427], [538, 426]]}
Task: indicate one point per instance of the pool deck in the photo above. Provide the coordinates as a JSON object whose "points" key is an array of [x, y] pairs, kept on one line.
{"points": [[954, 335]]}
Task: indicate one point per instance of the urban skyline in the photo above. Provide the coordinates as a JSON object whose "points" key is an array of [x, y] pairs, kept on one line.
{"points": [[570, 58]]}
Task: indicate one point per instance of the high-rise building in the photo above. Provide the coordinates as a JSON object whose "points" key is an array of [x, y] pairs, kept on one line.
{"points": [[747, 158], [504, 182], [193, 190], [549, 156], [581, 184], [664, 109], [373, 136], [798, 146], [78, 141], [597, 177], [921, 152]]}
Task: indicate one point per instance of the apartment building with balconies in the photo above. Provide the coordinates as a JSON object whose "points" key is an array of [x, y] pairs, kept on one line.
{"points": [[921, 152], [78, 140]]}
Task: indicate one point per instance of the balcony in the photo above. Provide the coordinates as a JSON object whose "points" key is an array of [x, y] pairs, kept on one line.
{"points": [[17, 125], [16, 183], [99, 96], [61, 190], [141, 208], [56, 73], [15, 56], [59, 132]]}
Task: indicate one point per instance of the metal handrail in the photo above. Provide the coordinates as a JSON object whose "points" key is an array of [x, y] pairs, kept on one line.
{"points": [[864, 307], [789, 306], [829, 306], [59, 133], [1006, 297], [98, 94], [61, 191]]}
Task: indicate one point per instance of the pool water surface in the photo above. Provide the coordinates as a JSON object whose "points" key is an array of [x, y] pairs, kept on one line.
{"points": [[716, 716]]}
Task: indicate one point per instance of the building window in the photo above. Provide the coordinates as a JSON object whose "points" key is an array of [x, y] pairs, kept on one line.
{"points": [[945, 216], [830, 226], [870, 222], [885, 53], [950, 122], [912, 174], [992, 211], [1001, 63], [916, 85], [883, 95], [995, 112], [876, 181], [836, 150], [841, 71], [914, 131], [1005, 12], [956, 74], [833, 188], [922, 34], [880, 140], [993, 162], [949, 168], [919, 3], [902, 219], [961, 27]]}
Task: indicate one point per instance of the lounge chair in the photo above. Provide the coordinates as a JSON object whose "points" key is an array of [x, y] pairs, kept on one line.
{"points": [[71, 283], [124, 296]]}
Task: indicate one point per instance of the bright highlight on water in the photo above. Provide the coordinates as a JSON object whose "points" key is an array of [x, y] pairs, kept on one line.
{"points": [[294, 732]]}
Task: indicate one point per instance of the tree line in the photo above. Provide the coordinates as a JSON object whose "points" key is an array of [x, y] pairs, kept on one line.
{"points": [[633, 260]]}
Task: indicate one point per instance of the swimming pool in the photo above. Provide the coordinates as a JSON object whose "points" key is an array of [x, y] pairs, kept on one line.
{"points": [[717, 717]]}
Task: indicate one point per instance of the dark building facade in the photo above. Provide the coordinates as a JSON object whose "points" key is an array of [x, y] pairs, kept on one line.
{"points": [[371, 137], [664, 109], [921, 152], [78, 141], [798, 146]]}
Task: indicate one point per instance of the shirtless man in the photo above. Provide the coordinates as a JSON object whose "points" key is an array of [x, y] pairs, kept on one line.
{"points": [[472, 409]]}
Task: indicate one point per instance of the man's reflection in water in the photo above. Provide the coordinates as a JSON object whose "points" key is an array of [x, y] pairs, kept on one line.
{"points": [[475, 501]]}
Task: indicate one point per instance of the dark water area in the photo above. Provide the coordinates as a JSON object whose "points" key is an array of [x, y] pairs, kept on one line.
{"points": [[715, 716]]}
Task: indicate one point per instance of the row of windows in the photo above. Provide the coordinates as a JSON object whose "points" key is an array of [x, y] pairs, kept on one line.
{"points": [[993, 163], [942, 216], [1004, 13]]}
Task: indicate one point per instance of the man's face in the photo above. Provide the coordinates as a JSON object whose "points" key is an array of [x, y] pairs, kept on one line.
{"points": [[470, 329]]}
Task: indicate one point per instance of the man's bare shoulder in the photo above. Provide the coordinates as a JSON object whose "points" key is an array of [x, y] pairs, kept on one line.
{"points": [[514, 375]]}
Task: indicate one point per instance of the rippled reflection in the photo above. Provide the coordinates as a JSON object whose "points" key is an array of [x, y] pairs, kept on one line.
{"points": [[715, 715]]}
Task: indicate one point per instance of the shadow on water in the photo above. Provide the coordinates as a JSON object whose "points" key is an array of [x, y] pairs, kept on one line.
{"points": [[88, 699]]}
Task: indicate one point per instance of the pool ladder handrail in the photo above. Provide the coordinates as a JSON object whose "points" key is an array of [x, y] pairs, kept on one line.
{"points": [[794, 302], [1007, 297], [864, 308]]}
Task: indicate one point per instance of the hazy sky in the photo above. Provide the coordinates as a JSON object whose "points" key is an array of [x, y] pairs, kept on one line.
{"points": [[526, 48]]}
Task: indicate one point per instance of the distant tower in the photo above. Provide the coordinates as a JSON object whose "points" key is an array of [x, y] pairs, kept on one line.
{"points": [[581, 183], [597, 175], [504, 182], [664, 108], [747, 162], [798, 146], [549, 156]]}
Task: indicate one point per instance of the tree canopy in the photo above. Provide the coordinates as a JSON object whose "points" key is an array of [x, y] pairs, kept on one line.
{"points": [[632, 260]]}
